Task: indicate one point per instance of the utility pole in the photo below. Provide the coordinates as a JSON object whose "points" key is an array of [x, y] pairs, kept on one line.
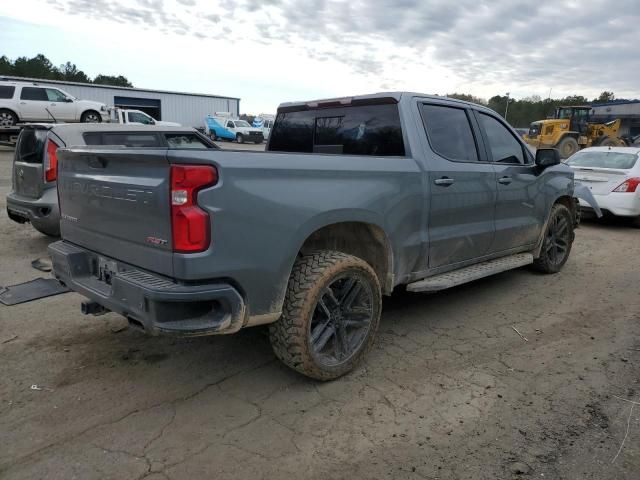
{"points": [[506, 110]]}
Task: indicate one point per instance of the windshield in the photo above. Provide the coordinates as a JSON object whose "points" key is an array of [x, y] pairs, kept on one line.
{"points": [[605, 159], [564, 113], [241, 123]]}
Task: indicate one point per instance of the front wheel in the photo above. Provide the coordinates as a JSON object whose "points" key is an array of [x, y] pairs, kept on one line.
{"points": [[330, 315], [90, 117], [239, 138], [557, 242]]}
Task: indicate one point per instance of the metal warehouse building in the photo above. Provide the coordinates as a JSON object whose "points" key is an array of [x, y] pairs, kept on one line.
{"points": [[188, 109], [626, 110]]}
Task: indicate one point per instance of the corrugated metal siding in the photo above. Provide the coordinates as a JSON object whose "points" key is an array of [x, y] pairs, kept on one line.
{"points": [[187, 110]]}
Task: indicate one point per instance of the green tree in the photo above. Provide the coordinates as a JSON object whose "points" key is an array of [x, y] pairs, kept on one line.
{"points": [[70, 72], [118, 81], [467, 98], [41, 67], [605, 97]]}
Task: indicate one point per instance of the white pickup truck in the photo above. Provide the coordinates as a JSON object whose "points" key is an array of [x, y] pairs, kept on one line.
{"points": [[136, 117]]}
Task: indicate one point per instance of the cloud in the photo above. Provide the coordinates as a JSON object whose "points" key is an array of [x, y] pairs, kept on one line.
{"points": [[479, 45]]}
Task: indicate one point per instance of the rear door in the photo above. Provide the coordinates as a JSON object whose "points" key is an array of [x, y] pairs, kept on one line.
{"points": [[28, 176], [33, 104], [116, 201], [521, 200], [462, 185]]}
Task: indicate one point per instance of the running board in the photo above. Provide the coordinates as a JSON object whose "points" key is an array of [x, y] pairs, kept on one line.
{"points": [[471, 273]]}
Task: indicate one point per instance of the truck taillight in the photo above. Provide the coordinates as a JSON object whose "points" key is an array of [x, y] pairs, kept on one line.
{"points": [[190, 224], [628, 186], [51, 163]]}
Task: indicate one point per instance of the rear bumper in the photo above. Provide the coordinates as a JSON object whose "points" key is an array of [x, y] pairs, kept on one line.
{"points": [[619, 204], [42, 212], [156, 303]]}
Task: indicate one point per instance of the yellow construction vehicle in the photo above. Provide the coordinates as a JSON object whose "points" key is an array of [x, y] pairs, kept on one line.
{"points": [[570, 130]]}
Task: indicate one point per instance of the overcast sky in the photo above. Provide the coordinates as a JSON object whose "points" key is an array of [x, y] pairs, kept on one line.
{"points": [[267, 52]]}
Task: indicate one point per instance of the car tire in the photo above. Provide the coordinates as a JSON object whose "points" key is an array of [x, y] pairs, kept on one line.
{"points": [[567, 147], [557, 242], [239, 138], [90, 116], [636, 222], [330, 315], [7, 118], [48, 231], [213, 136]]}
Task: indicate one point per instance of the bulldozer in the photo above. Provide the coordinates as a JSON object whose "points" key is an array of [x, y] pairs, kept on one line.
{"points": [[570, 129]]}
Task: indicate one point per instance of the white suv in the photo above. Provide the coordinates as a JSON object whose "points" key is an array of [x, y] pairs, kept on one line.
{"points": [[29, 102]]}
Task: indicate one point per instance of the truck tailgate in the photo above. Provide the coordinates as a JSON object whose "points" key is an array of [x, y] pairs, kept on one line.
{"points": [[116, 202]]}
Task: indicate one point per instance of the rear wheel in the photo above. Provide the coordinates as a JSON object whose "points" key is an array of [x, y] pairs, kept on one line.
{"points": [[636, 222], [567, 147], [330, 315], [213, 136], [557, 242], [7, 118], [91, 116], [239, 138]]}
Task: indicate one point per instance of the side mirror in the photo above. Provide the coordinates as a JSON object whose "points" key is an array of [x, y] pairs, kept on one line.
{"points": [[547, 157], [68, 100]]}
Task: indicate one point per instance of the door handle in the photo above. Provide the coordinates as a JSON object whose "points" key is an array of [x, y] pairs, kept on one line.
{"points": [[23, 103], [444, 181], [53, 104], [505, 180]]}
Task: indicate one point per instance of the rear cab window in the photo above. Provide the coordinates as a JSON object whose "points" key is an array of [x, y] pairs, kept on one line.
{"points": [[186, 140], [6, 91], [372, 130], [133, 139], [177, 140], [30, 147]]}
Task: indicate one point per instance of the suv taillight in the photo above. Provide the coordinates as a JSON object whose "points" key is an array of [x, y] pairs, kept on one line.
{"points": [[51, 164], [628, 186], [190, 224]]}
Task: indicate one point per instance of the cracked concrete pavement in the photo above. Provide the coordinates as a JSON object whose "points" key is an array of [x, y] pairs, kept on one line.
{"points": [[450, 391]]}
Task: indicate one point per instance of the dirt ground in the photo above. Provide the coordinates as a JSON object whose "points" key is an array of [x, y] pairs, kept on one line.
{"points": [[450, 390]]}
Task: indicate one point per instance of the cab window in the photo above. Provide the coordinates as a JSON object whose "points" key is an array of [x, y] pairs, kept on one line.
{"points": [[503, 146], [54, 95], [449, 132], [137, 117], [34, 94]]}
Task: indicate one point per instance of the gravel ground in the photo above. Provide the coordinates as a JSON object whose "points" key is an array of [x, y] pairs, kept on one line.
{"points": [[450, 390]]}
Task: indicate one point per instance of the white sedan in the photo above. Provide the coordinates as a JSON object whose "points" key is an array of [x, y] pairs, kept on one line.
{"points": [[613, 176]]}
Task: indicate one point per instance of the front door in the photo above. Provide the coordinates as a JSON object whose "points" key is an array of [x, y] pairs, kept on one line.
{"points": [[462, 186], [520, 205], [60, 106]]}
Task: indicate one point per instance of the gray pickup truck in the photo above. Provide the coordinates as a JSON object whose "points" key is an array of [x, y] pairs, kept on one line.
{"points": [[354, 197]]}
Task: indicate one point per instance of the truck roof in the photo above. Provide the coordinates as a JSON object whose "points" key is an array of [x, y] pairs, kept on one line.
{"points": [[379, 97]]}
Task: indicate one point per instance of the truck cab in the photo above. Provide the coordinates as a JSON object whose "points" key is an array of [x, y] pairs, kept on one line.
{"points": [[224, 127], [137, 117]]}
